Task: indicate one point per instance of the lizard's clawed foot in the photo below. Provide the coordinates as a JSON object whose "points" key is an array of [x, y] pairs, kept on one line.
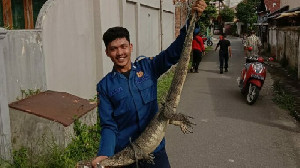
{"points": [[186, 125], [183, 121]]}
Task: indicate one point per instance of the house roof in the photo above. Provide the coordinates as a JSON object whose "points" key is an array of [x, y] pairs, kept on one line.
{"points": [[60, 107], [289, 13], [285, 14]]}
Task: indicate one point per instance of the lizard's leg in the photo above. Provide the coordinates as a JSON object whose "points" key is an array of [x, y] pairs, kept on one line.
{"points": [[181, 120], [139, 154]]}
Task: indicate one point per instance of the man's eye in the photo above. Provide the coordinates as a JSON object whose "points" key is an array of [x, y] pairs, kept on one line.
{"points": [[113, 49], [124, 46]]}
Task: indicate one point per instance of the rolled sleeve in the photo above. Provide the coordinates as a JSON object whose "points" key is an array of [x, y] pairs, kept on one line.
{"points": [[108, 125]]}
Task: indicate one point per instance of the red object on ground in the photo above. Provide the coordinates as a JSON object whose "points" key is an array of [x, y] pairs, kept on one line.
{"points": [[260, 59], [250, 48]]}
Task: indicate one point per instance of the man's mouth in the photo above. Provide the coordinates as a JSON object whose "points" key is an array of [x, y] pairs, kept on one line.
{"points": [[121, 58]]}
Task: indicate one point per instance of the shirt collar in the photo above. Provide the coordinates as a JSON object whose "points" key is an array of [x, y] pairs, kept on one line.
{"points": [[114, 72]]}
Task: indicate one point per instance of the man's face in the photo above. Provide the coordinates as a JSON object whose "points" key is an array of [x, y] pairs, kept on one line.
{"points": [[119, 52]]}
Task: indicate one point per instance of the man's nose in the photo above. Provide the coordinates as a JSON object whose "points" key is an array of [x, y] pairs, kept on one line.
{"points": [[119, 51]]}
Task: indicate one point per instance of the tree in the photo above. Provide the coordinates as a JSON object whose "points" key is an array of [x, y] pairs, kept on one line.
{"points": [[227, 14], [246, 12], [209, 13]]}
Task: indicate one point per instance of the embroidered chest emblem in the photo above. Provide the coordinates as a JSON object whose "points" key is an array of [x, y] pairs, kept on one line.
{"points": [[116, 91], [140, 74]]}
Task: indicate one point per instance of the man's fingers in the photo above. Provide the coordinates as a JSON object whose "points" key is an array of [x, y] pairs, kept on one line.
{"points": [[199, 6]]}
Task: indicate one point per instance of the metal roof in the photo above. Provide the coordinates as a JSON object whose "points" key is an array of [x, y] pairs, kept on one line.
{"points": [[60, 107]]}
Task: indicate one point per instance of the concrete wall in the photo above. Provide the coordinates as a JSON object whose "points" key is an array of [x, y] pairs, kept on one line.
{"points": [[284, 43], [291, 3], [69, 46], [292, 46], [33, 131], [272, 41], [5, 143], [24, 63]]}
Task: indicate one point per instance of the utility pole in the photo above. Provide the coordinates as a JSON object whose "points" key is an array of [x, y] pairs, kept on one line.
{"points": [[161, 25]]}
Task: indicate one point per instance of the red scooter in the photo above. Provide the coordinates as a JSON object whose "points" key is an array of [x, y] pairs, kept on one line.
{"points": [[252, 77]]}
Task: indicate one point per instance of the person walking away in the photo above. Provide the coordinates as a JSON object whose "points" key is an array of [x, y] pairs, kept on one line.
{"points": [[198, 49], [225, 48], [127, 96], [254, 42]]}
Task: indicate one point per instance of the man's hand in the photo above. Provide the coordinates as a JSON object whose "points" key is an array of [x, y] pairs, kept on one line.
{"points": [[98, 160], [199, 6]]}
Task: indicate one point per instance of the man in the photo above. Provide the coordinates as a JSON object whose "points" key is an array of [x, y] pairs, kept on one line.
{"points": [[225, 47], [254, 42], [198, 48], [128, 95]]}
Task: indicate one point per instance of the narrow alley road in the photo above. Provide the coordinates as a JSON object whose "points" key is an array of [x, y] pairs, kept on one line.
{"points": [[229, 132]]}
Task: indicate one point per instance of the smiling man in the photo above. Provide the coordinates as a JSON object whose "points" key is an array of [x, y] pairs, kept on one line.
{"points": [[128, 94]]}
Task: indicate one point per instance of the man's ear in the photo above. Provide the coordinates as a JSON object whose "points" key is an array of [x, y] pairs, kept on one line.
{"points": [[131, 47]]}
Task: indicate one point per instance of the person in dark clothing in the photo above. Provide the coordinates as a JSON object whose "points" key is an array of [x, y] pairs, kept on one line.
{"points": [[198, 49], [225, 48]]}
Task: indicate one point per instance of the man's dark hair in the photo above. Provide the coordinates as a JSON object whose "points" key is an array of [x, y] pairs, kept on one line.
{"points": [[113, 33]]}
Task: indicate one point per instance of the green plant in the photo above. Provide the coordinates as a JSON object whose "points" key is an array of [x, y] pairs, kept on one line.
{"points": [[163, 85], [94, 99], [246, 12], [209, 13], [293, 72], [85, 143], [227, 14], [83, 147], [20, 158], [29, 92], [283, 98], [209, 48]]}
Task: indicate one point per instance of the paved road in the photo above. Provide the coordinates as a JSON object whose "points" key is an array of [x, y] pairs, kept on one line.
{"points": [[229, 133]]}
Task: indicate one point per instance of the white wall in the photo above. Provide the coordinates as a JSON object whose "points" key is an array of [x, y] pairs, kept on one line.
{"points": [[150, 32], [168, 29], [130, 11], [291, 3], [69, 46], [5, 136], [24, 63], [110, 17]]}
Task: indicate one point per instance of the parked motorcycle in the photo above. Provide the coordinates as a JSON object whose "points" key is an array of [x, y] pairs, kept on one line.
{"points": [[252, 78]]}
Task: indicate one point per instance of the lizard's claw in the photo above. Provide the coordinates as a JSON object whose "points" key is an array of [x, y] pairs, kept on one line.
{"points": [[150, 158], [185, 128]]}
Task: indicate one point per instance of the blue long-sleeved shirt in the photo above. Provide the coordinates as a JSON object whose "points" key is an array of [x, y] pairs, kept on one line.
{"points": [[126, 106]]}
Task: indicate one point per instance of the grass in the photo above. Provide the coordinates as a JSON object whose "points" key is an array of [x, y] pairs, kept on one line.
{"points": [[163, 85], [284, 99], [209, 48], [83, 147]]}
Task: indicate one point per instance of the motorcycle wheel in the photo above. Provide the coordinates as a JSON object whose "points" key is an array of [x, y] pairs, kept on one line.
{"points": [[252, 95], [209, 43]]}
